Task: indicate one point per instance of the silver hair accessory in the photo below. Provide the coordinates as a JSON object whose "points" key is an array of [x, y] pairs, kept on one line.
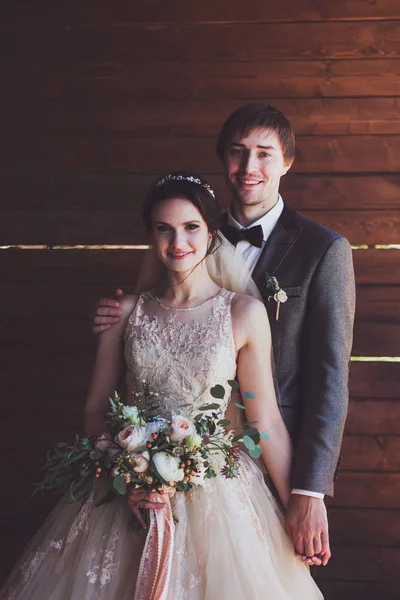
{"points": [[185, 178]]}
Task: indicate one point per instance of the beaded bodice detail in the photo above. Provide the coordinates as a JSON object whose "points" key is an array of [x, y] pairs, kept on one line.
{"points": [[180, 354]]}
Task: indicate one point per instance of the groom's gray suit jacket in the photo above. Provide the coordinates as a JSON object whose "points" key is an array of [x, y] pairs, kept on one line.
{"points": [[311, 340]]}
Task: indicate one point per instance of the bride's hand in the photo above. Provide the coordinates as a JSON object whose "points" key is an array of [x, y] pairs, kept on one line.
{"points": [[140, 499]]}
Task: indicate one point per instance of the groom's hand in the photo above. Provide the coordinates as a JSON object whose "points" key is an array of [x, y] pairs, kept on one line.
{"points": [[106, 313], [307, 525]]}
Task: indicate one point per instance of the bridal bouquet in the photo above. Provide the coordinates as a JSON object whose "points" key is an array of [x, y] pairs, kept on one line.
{"points": [[141, 449]]}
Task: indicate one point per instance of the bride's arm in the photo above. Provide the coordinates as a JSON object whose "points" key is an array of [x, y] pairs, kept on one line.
{"points": [[253, 339], [107, 370]]}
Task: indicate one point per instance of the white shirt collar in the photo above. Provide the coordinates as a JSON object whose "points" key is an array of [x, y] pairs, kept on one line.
{"points": [[267, 221]]}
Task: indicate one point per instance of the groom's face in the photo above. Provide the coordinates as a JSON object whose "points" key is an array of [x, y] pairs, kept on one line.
{"points": [[253, 167]]}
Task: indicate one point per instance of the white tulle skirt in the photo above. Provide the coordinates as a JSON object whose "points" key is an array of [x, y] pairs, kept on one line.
{"points": [[229, 544]]}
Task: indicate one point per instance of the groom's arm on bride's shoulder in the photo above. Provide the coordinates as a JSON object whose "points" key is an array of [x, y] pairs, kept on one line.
{"points": [[326, 348], [107, 312], [107, 370], [252, 335]]}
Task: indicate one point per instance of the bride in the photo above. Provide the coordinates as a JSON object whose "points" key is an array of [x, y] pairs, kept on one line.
{"points": [[186, 329]]}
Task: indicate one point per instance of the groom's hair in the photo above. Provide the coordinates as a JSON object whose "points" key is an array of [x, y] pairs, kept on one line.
{"points": [[257, 116]]}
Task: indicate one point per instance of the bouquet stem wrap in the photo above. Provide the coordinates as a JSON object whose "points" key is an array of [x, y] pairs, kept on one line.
{"points": [[155, 565]]}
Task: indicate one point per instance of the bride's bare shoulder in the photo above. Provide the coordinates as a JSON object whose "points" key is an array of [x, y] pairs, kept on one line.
{"points": [[127, 304], [245, 306]]}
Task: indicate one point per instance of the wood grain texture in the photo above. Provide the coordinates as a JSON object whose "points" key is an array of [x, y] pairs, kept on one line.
{"points": [[181, 12], [120, 267], [200, 118], [378, 303], [376, 339], [126, 227], [367, 564], [124, 154], [91, 84], [345, 590], [258, 42], [374, 380], [364, 527], [127, 191], [366, 490], [375, 453], [373, 417]]}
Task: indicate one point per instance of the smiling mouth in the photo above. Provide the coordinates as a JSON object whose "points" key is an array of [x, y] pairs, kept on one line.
{"points": [[248, 182], [178, 255]]}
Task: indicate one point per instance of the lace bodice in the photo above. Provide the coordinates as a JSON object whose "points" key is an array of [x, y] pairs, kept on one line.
{"points": [[180, 354]]}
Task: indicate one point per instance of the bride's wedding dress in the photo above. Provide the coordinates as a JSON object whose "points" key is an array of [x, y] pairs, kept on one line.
{"points": [[230, 542]]}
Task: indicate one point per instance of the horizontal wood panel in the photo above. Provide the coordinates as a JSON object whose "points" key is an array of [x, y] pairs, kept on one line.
{"points": [[124, 191], [366, 490], [47, 335], [376, 339], [120, 267], [110, 268], [373, 417], [377, 267], [364, 527], [126, 227], [374, 380], [344, 590], [378, 303], [200, 118], [376, 453], [366, 564], [116, 154], [136, 43], [181, 12], [89, 85], [374, 303]]}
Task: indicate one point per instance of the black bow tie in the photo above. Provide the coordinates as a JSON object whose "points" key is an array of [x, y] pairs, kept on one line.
{"points": [[253, 235]]}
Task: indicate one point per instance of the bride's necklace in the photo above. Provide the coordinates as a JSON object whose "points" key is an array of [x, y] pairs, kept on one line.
{"points": [[165, 307]]}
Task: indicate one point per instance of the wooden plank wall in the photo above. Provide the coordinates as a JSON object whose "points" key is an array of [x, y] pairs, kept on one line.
{"points": [[98, 98]]}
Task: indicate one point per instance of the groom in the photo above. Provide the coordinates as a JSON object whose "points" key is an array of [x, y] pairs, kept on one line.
{"points": [[311, 318]]}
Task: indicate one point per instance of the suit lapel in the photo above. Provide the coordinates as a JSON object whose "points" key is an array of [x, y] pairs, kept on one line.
{"points": [[281, 240]]}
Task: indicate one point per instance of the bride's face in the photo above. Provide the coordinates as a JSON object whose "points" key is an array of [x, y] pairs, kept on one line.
{"points": [[180, 234]]}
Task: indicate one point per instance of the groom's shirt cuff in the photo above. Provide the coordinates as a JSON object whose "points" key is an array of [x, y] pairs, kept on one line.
{"points": [[308, 493]]}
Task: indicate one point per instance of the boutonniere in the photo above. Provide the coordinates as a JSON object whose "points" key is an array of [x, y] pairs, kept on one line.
{"points": [[278, 294]]}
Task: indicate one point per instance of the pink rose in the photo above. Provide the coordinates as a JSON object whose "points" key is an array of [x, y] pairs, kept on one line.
{"points": [[131, 437], [180, 428]]}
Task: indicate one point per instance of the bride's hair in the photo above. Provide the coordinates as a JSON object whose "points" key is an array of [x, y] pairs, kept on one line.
{"points": [[188, 186]]}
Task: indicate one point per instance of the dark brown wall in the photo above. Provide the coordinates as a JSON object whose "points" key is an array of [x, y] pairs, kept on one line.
{"points": [[96, 100]]}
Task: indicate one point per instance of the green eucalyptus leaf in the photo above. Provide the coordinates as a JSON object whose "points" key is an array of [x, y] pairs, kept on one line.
{"points": [[234, 384], [120, 484], [239, 405], [224, 422], [218, 391], [248, 442], [249, 395], [256, 451], [212, 406], [264, 435]]}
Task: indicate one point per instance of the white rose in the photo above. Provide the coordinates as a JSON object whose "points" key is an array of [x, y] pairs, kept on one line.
{"points": [[193, 441], [131, 415], [131, 437], [141, 460], [198, 478], [154, 427], [168, 466], [180, 428]]}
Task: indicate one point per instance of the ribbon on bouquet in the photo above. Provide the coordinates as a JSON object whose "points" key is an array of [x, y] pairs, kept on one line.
{"points": [[156, 562]]}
